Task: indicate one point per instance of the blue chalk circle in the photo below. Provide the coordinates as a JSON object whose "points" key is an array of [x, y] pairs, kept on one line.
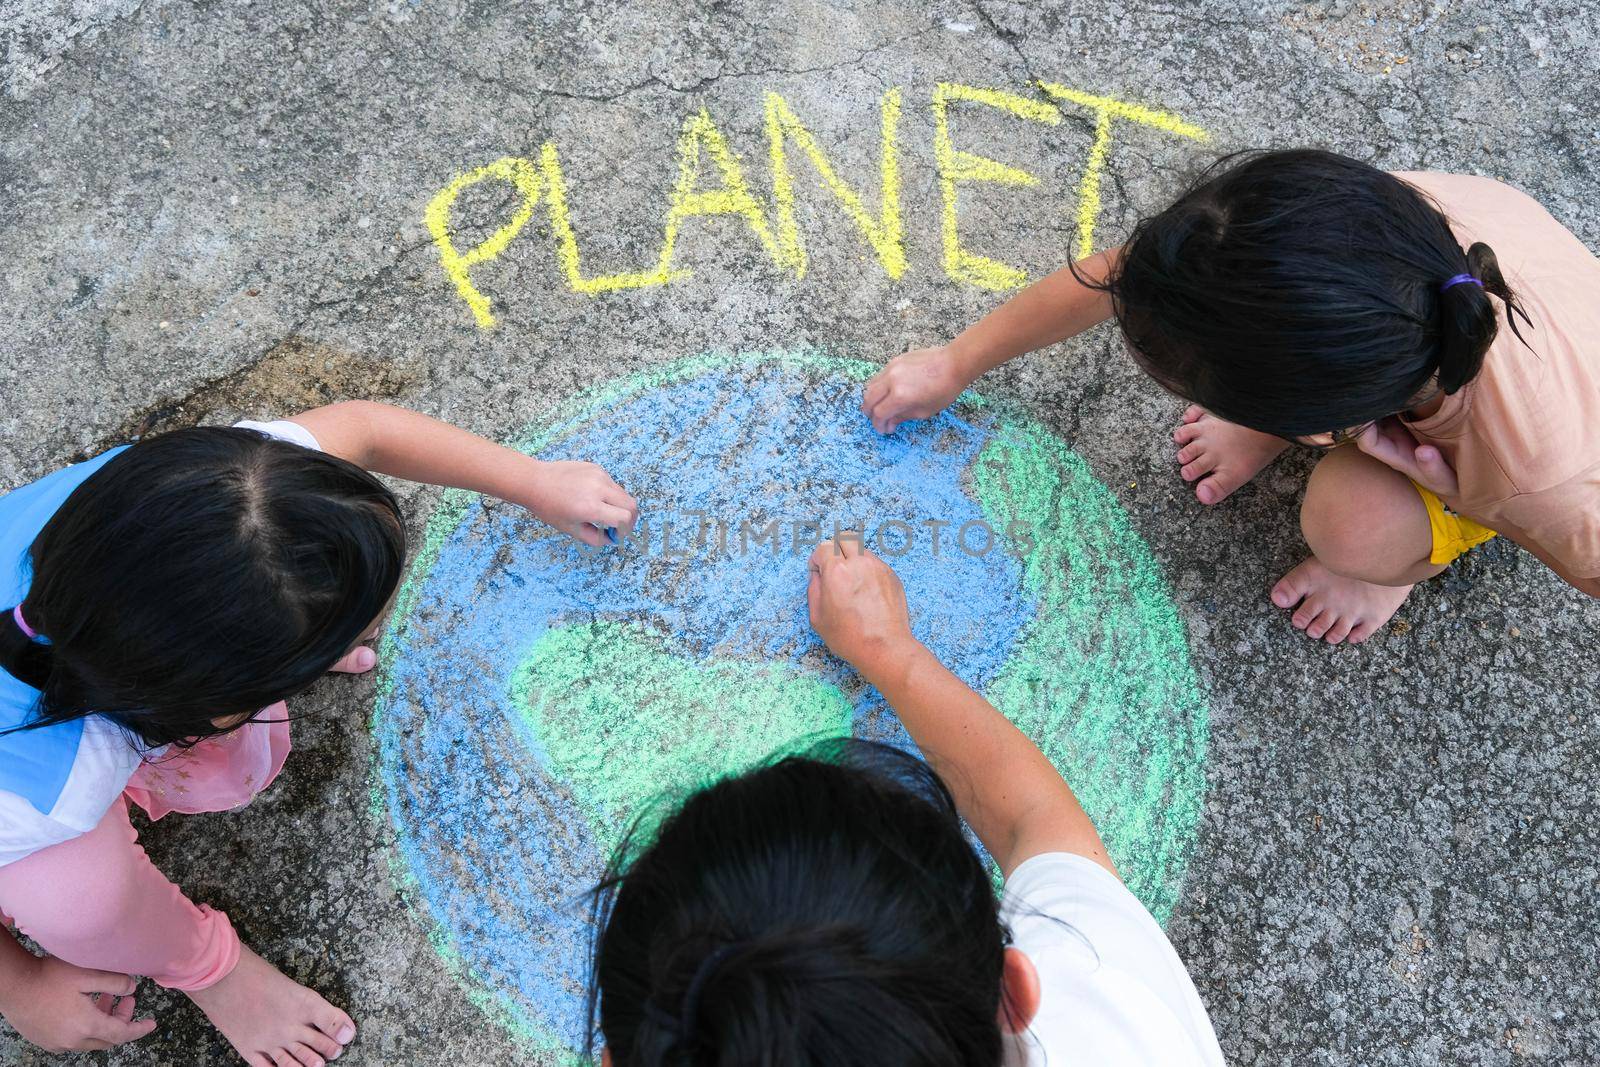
{"points": [[509, 767]]}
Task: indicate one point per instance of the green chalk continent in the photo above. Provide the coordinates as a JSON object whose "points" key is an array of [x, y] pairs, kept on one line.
{"points": [[629, 724], [1101, 679]]}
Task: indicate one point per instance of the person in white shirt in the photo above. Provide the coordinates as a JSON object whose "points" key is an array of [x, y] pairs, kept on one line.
{"points": [[827, 909]]}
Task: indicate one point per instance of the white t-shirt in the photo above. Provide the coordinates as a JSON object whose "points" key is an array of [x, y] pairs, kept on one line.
{"points": [[106, 758], [1113, 992]]}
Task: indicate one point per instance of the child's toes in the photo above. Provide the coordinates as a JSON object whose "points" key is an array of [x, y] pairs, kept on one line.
{"points": [[358, 660], [1339, 631], [1190, 452], [1360, 632], [335, 1023], [1202, 466], [1292, 587], [305, 1056], [1306, 614], [1186, 433], [1193, 413], [1212, 490], [1322, 624], [321, 1043]]}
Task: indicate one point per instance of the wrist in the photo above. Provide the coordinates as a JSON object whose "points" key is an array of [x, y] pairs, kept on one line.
{"points": [[528, 485], [889, 662], [964, 359]]}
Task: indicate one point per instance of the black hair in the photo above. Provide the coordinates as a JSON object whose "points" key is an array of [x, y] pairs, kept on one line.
{"points": [[825, 910], [1299, 292], [202, 574]]}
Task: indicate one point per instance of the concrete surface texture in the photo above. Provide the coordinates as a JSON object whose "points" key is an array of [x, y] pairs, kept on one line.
{"points": [[214, 211]]}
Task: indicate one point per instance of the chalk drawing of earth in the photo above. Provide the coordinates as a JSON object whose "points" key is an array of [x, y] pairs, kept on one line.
{"points": [[538, 696]]}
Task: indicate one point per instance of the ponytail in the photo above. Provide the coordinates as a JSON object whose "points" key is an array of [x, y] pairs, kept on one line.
{"points": [[1468, 323], [22, 657], [1304, 292]]}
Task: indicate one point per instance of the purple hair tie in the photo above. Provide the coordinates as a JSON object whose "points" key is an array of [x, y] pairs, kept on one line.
{"points": [[22, 624], [1458, 279]]}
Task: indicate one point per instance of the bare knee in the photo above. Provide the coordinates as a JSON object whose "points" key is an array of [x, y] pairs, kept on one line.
{"points": [[1362, 519]]}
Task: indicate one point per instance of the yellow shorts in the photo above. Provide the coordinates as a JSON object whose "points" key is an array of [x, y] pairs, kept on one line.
{"points": [[1453, 534]]}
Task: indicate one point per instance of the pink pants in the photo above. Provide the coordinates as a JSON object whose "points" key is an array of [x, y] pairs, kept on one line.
{"points": [[97, 901]]}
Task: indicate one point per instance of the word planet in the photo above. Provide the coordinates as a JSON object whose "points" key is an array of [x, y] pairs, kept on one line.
{"points": [[540, 698]]}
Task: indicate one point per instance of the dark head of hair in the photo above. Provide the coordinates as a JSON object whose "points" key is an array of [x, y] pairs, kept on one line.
{"points": [[202, 574], [1300, 292], [825, 911]]}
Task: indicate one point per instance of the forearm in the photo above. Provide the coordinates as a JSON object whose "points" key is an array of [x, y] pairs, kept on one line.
{"points": [[407, 444], [1050, 310], [17, 965], [1009, 793]]}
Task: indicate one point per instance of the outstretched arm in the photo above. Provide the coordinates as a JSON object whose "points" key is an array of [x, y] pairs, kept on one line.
{"points": [[920, 384], [1010, 795], [578, 499]]}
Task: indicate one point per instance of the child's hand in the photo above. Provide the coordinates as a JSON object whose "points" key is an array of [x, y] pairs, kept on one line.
{"points": [[63, 1008], [916, 385], [858, 607], [1391, 443], [581, 499]]}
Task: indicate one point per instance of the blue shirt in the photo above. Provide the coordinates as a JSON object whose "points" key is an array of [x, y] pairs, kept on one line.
{"points": [[34, 764]]}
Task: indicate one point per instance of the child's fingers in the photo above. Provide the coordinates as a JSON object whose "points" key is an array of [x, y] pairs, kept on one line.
{"points": [[877, 388], [822, 556], [118, 985], [115, 1031], [1437, 474], [588, 534], [124, 1009], [620, 499], [887, 416], [847, 545], [604, 514]]}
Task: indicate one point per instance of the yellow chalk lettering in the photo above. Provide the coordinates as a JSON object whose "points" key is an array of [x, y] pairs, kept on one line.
{"points": [[732, 199], [521, 173], [567, 241], [886, 233], [958, 166], [1106, 110]]}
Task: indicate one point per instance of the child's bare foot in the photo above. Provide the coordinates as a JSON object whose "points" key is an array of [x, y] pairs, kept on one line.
{"points": [[1332, 607], [272, 1020], [1221, 454]]}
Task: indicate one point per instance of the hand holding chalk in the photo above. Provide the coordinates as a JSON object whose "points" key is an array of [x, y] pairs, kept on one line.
{"points": [[581, 500], [916, 385], [858, 607]]}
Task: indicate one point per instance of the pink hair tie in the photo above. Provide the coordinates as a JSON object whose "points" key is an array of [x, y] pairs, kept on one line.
{"points": [[22, 624]]}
